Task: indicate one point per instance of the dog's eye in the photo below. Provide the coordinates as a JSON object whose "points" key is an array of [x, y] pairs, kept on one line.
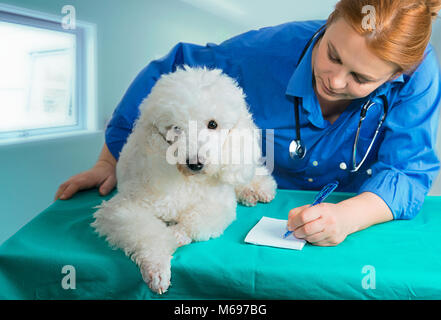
{"points": [[177, 130], [212, 124], [173, 129]]}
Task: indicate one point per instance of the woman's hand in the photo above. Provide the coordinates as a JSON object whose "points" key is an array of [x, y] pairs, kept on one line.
{"points": [[328, 224], [103, 175], [323, 224]]}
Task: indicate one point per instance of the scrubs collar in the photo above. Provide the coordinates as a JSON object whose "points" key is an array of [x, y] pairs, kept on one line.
{"points": [[385, 87], [301, 85]]}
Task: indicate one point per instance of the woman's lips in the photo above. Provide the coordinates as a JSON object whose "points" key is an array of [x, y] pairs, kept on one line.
{"points": [[327, 91]]}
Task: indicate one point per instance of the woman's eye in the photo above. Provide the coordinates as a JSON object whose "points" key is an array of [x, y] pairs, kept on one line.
{"points": [[212, 124], [358, 80], [355, 76], [335, 60]]}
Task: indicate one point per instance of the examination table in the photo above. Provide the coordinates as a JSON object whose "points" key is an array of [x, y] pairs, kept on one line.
{"points": [[393, 260]]}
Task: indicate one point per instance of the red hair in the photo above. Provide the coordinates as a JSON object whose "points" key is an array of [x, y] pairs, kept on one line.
{"points": [[401, 31]]}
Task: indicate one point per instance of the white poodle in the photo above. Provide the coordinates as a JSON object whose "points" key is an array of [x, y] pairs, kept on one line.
{"points": [[171, 192]]}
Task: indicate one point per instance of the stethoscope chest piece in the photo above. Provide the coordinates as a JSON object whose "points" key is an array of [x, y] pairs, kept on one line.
{"points": [[297, 150]]}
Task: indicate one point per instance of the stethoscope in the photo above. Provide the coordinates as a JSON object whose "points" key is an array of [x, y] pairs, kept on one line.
{"points": [[297, 149]]}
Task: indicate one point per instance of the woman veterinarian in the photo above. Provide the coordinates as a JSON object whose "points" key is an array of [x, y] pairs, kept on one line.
{"points": [[328, 86]]}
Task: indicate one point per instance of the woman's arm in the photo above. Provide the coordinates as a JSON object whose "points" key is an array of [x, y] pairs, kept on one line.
{"points": [[106, 156], [328, 224], [365, 210]]}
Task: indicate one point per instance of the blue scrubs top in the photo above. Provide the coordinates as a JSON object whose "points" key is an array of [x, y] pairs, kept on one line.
{"points": [[400, 167]]}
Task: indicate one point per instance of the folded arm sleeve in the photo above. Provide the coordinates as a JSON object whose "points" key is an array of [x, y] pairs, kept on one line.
{"points": [[407, 161], [123, 118]]}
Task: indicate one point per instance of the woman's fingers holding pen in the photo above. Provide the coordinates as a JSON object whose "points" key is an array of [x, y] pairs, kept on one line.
{"points": [[302, 215], [311, 230], [321, 225]]}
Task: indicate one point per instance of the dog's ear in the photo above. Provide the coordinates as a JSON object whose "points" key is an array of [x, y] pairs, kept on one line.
{"points": [[148, 138], [241, 152], [146, 126]]}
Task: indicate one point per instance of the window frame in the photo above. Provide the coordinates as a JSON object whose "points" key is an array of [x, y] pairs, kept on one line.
{"points": [[84, 95]]}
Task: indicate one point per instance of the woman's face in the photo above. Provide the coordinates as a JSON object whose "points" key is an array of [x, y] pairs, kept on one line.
{"points": [[343, 66]]}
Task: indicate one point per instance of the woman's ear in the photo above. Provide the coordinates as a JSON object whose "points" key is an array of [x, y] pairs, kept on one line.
{"points": [[241, 152]]}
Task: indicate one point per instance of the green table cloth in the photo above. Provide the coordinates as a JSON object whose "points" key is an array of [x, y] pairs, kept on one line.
{"points": [[393, 260]]}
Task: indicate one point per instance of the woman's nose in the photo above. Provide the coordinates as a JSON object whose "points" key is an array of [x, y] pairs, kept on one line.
{"points": [[337, 81]]}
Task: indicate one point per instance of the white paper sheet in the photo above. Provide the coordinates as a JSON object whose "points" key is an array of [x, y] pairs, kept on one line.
{"points": [[270, 231]]}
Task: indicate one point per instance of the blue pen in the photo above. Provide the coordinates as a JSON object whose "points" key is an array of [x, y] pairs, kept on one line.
{"points": [[319, 198]]}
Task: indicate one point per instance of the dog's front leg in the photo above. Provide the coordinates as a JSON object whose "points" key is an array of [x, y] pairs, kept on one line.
{"points": [[207, 220], [143, 237]]}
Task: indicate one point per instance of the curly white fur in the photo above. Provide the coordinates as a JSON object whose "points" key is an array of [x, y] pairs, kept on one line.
{"points": [[160, 204]]}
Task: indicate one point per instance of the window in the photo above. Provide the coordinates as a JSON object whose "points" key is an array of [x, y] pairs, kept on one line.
{"points": [[46, 83]]}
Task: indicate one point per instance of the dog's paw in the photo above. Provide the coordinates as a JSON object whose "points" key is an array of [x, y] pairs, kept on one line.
{"points": [[247, 196], [157, 275], [262, 189]]}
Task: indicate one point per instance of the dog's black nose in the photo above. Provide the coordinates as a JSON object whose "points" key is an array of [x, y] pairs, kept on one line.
{"points": [[194, 166]]}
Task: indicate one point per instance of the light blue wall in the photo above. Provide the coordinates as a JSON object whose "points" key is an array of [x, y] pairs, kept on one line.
{"points": [[130, 34]]}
